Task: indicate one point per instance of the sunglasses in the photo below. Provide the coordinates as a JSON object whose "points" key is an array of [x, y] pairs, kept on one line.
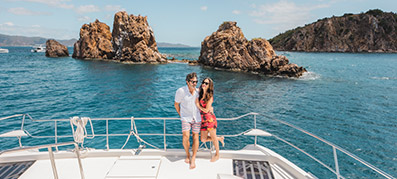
{"points": [[194, 82], [206, 83]]}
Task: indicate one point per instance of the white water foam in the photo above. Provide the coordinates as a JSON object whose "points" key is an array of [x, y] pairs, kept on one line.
{"points": [[384, 78], [309, 76]]}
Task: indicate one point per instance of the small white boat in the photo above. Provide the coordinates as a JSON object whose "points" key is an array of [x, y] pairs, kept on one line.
{"points": [[38, 48], [3, 50], [252, 161]]}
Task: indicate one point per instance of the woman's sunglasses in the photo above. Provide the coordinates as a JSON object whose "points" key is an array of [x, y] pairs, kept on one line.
{"points": [[205, 83]]}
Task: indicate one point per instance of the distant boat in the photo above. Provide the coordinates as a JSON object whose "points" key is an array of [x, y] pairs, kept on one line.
{"points": [[3, 50], [38, 48]]}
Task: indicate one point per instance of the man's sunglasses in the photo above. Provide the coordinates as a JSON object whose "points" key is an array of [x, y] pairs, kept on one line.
{"points": [[194, 82]]}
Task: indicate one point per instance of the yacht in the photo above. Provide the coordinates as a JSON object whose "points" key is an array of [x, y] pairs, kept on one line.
{"points": [[66, 156], [3, 50], [38, 48]]}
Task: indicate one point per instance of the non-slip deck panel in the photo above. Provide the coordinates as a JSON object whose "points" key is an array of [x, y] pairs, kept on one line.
{"points": [[249, 169], [14, 170]]}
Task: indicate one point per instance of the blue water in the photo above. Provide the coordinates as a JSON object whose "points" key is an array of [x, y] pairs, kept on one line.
{"points": [[347, 99]]}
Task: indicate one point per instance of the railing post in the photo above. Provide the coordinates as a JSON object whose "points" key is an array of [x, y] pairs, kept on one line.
{"points": [[107, 134], [22, 124], [336, 163], [256, 137], [56, 135], [165, 137], [20, 141], [79, 160], [23, 121], [54, 169]]}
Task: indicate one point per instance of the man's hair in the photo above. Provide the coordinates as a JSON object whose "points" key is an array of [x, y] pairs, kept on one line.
{"points": [[190, 76]]}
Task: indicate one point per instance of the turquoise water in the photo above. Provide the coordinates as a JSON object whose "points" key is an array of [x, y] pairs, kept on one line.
{"points": [[347, 99]]}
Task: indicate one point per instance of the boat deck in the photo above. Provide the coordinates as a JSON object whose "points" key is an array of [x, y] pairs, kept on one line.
{"points": [[153, 163], [125, 167], [253, 161]]}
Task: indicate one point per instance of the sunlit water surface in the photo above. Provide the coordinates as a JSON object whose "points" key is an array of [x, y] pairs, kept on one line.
{"points": [[347, 99]]}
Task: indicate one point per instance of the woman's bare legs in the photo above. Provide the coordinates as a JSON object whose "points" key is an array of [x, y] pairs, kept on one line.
{"points": [[206, 138], [215, 142]]}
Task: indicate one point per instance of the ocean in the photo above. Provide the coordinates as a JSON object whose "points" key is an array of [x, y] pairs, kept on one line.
{"points": [[349, 99]]}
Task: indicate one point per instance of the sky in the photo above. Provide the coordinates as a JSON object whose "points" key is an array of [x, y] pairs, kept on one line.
{"points": [[175, 21]]}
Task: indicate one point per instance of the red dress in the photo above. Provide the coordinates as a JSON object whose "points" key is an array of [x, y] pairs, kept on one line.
{"points": [[208, 120]]}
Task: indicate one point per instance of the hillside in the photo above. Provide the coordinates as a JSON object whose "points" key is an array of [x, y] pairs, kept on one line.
{"points": [[373, 31], [8, 40], [164, 44]]}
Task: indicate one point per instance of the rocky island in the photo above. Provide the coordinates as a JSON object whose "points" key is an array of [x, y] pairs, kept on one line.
{"points": [[373, 31], [94, 43], [227, 48], [55, 49], [132, 41]]}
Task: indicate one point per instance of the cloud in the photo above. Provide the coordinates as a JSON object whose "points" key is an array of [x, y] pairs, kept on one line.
{"points": [[284, 14], [109, 17], [84, 19], [236, 12], [26, 12], [8, 24], [87, 9], [203, 8], [38, 31], [113, 8], [53, 3]]}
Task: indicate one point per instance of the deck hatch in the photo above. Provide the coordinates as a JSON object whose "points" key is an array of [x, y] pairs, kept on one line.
{"points": [[250, 169], [14, 169]]}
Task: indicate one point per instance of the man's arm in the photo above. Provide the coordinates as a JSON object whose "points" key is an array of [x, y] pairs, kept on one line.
{"points": [[177, 107]]}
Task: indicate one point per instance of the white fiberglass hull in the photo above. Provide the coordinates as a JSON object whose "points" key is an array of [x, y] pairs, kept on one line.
{"points": [[152, 163]]}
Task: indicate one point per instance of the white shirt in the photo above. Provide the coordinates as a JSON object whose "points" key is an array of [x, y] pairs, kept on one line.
{"points": [[188, 108]]}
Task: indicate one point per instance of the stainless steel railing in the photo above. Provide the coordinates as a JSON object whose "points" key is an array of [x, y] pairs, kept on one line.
{"points": [[335, 148], [51, 155]]}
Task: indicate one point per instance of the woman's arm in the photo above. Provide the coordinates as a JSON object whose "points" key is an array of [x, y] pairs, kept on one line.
{"points": [[199, 106], [207, 108]]}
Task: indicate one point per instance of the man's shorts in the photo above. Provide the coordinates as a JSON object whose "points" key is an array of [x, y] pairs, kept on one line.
{"points": [[195, 126]]}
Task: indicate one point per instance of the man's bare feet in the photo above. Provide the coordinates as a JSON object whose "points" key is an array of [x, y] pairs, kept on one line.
{"points": [[193, 163], [215, 158], [222, 140], [187, 160]]}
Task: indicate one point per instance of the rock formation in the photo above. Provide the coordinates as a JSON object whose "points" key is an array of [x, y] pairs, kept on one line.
{"points": [[373, 31], [133, 39], [94, 43], [55, 49], [227, 48]]}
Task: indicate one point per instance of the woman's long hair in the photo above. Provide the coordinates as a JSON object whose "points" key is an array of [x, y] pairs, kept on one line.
{"points": [[210, 90]]}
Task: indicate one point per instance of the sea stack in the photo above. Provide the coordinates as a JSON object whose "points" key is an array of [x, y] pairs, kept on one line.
{"points": [[55, 49], [373, 31], [133, 40], [227, 48], [94, 43]]}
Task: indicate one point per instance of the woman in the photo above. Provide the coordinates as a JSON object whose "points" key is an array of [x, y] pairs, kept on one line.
{"points": [[208, 119]]}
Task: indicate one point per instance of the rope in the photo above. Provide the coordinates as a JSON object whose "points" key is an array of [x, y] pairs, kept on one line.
{"points": [[81, 132], [134, 132]]}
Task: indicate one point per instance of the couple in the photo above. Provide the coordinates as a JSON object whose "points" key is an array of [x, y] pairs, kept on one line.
{"points": [[194, 106]]}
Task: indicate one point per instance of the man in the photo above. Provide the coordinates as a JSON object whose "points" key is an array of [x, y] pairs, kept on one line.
{"points": [[185, 99]]}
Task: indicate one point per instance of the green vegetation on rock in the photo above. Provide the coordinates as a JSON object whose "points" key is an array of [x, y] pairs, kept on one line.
{"points": [[373, 31]]}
